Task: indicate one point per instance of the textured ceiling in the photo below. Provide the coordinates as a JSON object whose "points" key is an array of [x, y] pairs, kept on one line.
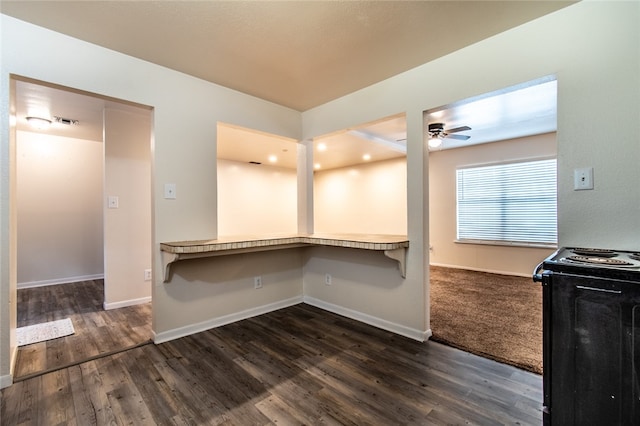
{"points": [[298, 54]]}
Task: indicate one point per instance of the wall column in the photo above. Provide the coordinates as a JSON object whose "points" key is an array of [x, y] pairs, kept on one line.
{"points": [[418, 214], [305, 187]]}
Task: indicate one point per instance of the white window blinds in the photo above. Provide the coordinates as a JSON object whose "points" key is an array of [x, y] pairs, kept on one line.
{"points": [[513, 202]]}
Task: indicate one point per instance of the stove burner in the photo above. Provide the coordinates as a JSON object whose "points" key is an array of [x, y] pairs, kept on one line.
{"points": [[594, 252], [635, 256], [599, 260]]}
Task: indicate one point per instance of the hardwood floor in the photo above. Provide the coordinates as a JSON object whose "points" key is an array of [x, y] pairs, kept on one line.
{"points": [[298, 365], [97, 331]]}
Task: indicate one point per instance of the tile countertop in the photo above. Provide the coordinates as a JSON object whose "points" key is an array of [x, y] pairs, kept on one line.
{"points": [[361, 241], [393, 246]]}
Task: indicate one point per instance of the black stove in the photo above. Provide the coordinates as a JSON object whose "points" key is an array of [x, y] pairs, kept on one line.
{"points": [[591, 336]]}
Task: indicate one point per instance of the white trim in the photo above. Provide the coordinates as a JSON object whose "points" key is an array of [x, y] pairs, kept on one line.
{"points": [[427, 335], [56, 281], [188, 330], [14, 356], [125, 303], [6, 381], [400, 329], [491, 271], [507, 243]]}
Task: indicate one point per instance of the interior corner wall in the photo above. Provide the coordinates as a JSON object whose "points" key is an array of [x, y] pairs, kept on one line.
{"points": [[444, 251], [256, 199], [369, 198], [127, 228], [365, 285], [59, 185]]}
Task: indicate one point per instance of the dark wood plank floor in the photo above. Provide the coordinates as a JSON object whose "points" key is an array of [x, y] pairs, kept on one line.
{"points": [[298, 365], [96, 331]]}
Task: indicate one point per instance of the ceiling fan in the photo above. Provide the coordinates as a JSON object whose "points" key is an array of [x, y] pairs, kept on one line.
{"points": [[437, 134]]}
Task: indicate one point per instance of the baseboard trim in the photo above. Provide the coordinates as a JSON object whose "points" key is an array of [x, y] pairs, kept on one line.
{"points": [[490, 271], [6, 381], [400, 329], [427, 335], [188, 330], [57, 281], [125, 303]]}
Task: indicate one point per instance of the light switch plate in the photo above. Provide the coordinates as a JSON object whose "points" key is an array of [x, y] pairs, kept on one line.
{"points": [[170, 191], [583, 179]]}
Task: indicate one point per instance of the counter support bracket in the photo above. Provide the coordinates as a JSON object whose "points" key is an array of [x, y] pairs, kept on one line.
{"points": [[400, 256], [167, 259]]}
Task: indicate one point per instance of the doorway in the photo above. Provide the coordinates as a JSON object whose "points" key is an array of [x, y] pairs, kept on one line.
{"points": [[83, 184], [498, 163]]}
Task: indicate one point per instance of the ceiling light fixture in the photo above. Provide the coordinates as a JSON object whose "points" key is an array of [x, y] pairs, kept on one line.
{"points": [[366, 157], [39, 123], [435, 142], [322, 147], [273, 158]]}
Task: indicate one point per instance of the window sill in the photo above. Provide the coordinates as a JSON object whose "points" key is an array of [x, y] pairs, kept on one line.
{"points": [[508, 244]]}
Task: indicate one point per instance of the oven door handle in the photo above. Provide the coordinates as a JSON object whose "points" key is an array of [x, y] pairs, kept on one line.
{"points": [[602, 290], [537, 276]]}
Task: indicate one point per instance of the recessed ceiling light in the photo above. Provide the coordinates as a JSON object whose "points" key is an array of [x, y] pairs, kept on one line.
{"points": [[273, 158], [317, 166], [322, 147], [366, 157]]}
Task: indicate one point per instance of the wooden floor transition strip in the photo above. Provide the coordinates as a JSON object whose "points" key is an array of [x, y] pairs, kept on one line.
{"points": [[81, 361]]}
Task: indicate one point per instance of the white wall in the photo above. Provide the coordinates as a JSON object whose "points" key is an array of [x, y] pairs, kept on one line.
{"points": [[59, 184], [127, 229], [366, 286], [369, 198], [205, 293], [442, 206], [256, 199]]}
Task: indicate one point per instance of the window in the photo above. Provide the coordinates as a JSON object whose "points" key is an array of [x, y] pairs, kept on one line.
{"points": [[508, 203]]}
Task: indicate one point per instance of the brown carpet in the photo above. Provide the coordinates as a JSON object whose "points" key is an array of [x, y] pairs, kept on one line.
{"points": [[495, 316]]}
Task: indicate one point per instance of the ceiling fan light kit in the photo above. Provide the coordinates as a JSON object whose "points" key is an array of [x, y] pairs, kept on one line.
{"points": [[437, 134], [434, 142]]}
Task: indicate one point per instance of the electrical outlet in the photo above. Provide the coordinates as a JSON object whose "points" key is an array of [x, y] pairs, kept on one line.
{"points": [[147, 274], [327, 279], [257, 282]]}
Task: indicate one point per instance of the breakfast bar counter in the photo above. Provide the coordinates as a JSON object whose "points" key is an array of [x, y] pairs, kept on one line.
{"points": [[393, 246]]}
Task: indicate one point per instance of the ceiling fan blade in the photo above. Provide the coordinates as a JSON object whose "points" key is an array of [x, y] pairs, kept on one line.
{"points": [[458, 129], [459, 137]]}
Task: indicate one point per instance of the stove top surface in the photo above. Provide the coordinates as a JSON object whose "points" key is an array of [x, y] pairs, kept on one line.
{"points": [[594, 260]]}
